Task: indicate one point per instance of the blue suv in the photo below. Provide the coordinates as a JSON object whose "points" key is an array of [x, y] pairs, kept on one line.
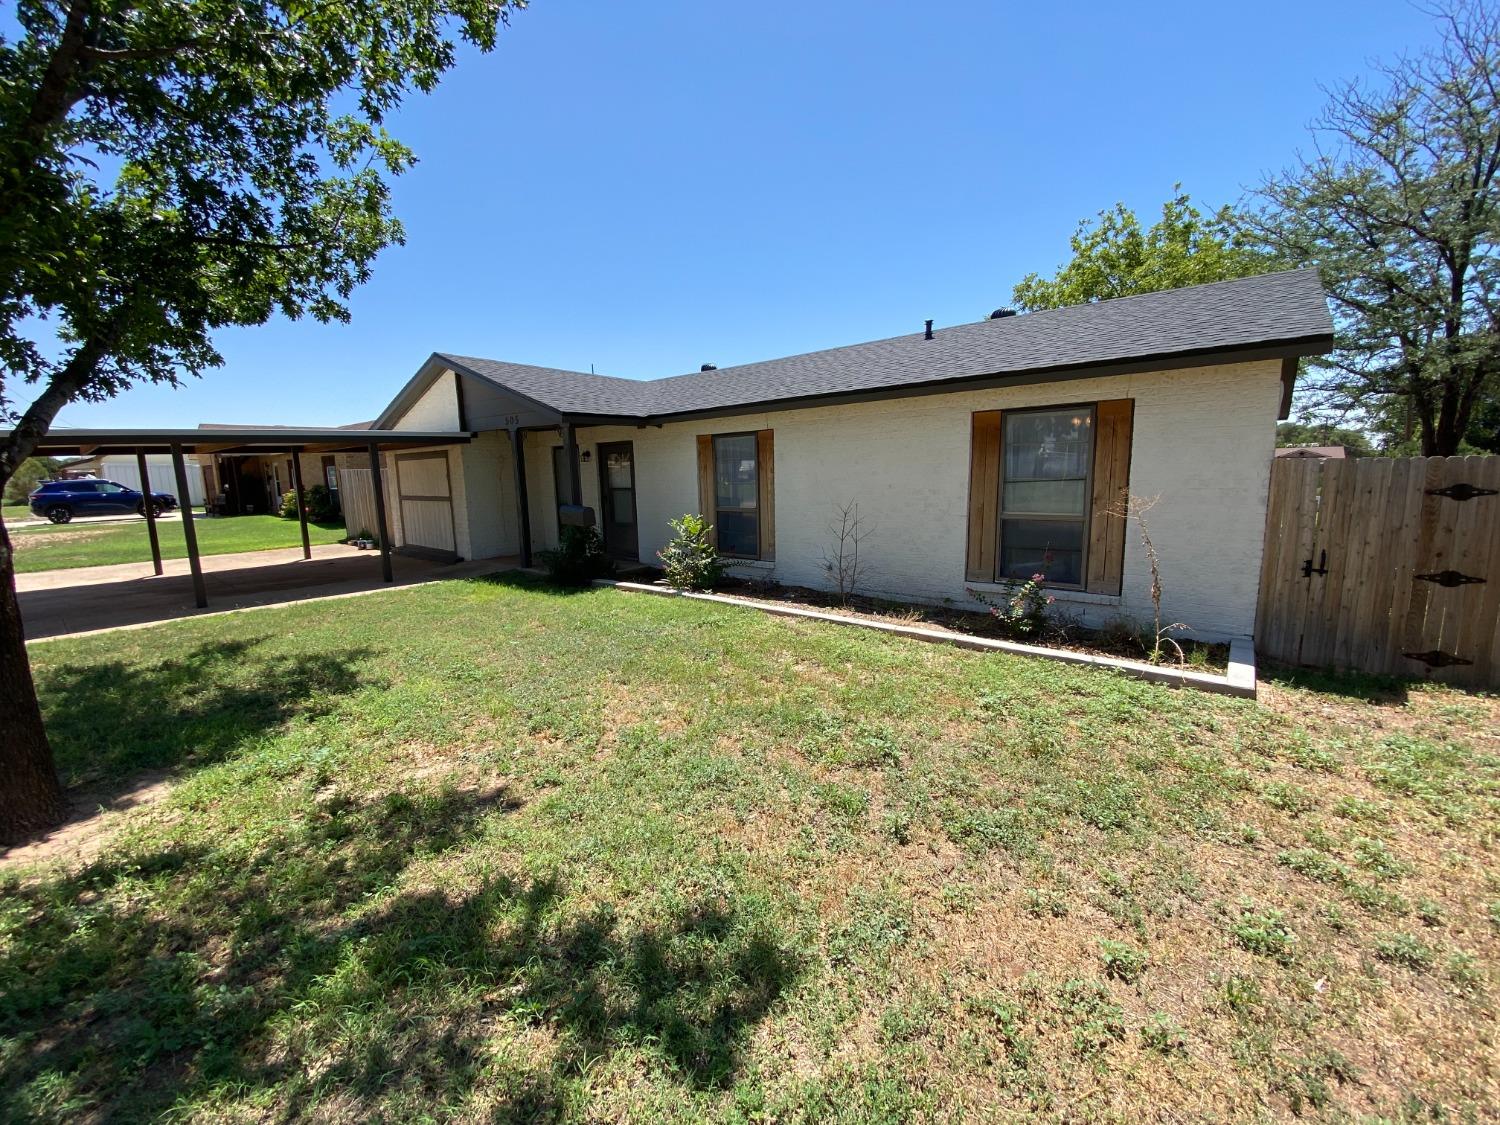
{"points": [[61, 500]]}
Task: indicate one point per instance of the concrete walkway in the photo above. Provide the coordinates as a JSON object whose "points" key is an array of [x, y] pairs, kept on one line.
{"points": [[56, 603]]}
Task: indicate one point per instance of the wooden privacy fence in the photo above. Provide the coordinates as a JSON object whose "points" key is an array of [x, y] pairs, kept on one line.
{"points": [[357, 498], [1386, 565]]}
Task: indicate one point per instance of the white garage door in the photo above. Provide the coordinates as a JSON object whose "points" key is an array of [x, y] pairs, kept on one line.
{"points": [[426, 502]]}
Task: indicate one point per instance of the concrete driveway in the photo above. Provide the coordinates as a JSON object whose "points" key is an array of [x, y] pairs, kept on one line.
{"points": [[57, 603]]}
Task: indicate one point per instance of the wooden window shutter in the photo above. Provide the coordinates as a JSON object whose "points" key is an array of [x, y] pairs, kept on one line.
{"points": [[1113, 420], [765, 466], [706, 484], [984, 497]]}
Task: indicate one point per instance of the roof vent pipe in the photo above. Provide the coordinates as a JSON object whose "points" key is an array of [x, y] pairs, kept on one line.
{"points": [[1001, 314], [929, 330], [709, 367]]}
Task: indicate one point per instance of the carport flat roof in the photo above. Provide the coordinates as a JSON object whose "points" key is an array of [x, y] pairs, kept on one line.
{"points": [[248, 440]]}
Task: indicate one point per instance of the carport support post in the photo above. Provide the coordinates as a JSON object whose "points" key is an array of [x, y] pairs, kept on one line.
{"points": [[301, 502], [383, 530], [189, 533], [149, 512], [523, 507]]}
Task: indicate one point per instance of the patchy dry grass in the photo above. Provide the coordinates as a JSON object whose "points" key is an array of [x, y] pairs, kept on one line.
{"points": [[480, 850]]}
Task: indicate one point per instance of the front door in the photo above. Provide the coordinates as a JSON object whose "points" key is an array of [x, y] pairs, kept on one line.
{"points": [[617, 499]]}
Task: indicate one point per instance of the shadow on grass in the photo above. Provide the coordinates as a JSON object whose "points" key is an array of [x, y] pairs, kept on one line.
{"points": [[112, 720], [538, 583], [171, 978], [1380, 690]]}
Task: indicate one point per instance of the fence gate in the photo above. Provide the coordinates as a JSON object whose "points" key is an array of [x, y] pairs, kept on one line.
{"points": [[1386, 565]]}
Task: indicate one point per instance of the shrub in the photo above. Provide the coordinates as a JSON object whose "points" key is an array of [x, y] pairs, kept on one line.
{"points": [[579, 557], [318, 501], [1022, 609], [320, 505], [690, 561]]}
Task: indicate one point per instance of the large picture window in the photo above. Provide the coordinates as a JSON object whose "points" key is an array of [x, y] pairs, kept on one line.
{"points": [[736, 495], [1046, 459]]}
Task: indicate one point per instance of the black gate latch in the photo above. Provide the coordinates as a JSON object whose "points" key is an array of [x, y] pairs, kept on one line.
{"points": [[1308, 570]]}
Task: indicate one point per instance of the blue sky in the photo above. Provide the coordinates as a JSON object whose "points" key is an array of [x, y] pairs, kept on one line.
{"points": [[648, 187]]}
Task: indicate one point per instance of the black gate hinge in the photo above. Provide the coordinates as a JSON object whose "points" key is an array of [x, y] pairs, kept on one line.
{"points": [[1308, 570], [1462, 491], [1436, 658], [1448, 578]]}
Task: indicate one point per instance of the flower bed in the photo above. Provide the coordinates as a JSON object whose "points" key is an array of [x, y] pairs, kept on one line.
{"points": [[1054, 629]]}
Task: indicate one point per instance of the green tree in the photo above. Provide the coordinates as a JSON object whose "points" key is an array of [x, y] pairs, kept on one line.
{"points": [[27, 476], [1399, 207], [173, 167], [1114, 257]]}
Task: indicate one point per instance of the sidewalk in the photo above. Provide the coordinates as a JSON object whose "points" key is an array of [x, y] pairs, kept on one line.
{"points": [[58, 603]]}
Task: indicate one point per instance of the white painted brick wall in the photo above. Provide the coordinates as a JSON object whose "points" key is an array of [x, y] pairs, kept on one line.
{"points": [[436, 410], [490, 519], [1203, 442]]}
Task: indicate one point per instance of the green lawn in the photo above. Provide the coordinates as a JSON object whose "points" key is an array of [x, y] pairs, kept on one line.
{"points": [[59, 547], [483, 851]]}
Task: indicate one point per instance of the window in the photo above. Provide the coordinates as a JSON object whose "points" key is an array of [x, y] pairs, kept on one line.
{"points": [[1044, 493], [736, 495], [110, 487]]}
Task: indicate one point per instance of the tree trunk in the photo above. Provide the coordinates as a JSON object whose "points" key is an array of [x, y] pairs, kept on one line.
{"points": [[31, 797]]}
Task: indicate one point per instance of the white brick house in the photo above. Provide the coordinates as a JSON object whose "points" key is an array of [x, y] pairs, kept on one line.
{"points": [[977, 453]]}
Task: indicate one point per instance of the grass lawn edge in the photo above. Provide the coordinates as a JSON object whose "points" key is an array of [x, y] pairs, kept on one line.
{"points": [[1239, 680]]}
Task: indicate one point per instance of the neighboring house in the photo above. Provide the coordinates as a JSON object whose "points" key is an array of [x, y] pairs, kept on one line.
{"points": [[122, 469], [1318, 452], [976, 453], [246, 485]]}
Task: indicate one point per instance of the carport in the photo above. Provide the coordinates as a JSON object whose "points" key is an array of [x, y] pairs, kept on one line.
{"points": [[246, 442]]}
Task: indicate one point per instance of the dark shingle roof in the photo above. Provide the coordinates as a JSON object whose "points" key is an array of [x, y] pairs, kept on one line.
{"points": [[1269, 310]]}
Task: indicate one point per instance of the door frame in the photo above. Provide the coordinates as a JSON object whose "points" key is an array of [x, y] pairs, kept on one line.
{"points": [[606, 506]]}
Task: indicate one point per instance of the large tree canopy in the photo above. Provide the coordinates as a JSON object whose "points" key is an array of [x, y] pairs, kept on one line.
{"points": [[1399, 206], [1114, 257], [169, 168]]}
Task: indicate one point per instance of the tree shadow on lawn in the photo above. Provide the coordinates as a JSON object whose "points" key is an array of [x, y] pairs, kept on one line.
{"points": [[111, 720], [163, 978]]}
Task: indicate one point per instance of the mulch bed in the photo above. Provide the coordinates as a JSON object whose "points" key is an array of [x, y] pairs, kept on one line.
{"points": [[1058, 633]]}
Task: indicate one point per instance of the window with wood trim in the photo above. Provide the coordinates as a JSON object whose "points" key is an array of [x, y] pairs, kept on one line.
{"points": [[1044, 493], [736, 475], [1042, 483]]}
